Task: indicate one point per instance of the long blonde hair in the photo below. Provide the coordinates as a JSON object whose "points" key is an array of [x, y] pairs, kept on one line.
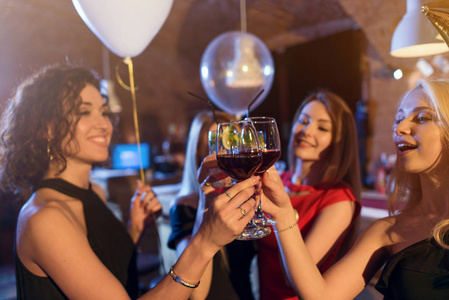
{"points": [[342, 165], [404, 189]]}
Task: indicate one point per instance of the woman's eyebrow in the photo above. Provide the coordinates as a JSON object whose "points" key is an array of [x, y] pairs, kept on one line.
{"points": [[319, 120], [90, 104], [420, 108], [417, 109]]}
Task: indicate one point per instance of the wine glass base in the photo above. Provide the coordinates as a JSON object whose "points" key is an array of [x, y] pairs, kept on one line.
{"points": [[262, 220], [253, 232]]}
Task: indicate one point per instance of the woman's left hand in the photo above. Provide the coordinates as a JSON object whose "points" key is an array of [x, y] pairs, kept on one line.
{"points": [[275, 199], [144, 208]]}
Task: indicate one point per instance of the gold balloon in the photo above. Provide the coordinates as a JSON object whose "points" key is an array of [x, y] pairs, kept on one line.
{"points": [[438, 14]]}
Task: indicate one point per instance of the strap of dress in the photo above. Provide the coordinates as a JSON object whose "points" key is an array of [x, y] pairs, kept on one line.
{"points": [[65, 187]]}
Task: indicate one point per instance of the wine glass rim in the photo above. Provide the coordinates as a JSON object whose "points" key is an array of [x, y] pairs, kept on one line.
{"points": [[261, 118], [233, 122]]}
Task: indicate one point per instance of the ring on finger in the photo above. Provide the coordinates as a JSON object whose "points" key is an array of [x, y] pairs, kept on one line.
{"points": [[207, 183], [229, 195], [242, 211]]}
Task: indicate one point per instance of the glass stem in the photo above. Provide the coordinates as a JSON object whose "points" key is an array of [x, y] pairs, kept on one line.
{"points": [[259, 207]]}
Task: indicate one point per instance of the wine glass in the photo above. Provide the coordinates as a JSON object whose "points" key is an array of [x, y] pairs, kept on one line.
{"points": [[239, 156], [269, 142], [212, 143]]}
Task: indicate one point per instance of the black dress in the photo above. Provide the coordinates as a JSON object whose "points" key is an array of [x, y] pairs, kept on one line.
{"points": [[420, 271], [106, 235], [229, 280]]}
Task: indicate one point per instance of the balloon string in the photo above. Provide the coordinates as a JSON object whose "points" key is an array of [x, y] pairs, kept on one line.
{"points": [[132, 88], [120, 81]]}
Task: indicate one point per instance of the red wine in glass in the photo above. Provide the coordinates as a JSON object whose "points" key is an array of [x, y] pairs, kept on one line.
{"points": [[240, 166], [269, 158], [239, 155], [269, 141]]}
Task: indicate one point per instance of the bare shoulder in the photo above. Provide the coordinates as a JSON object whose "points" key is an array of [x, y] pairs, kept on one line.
{"points": [[380, 228], [379, 236], [45, 219], [52, 242], [40, 214]]}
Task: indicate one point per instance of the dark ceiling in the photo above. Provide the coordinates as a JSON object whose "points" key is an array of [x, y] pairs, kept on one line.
{"points": [[34, 33]]}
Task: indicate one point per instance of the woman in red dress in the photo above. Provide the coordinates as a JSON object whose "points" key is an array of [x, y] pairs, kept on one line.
{"points": [[324, 186]]}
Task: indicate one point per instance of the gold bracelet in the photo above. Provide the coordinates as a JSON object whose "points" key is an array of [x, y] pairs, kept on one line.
{"points": [[178, 279], [291, 226], [285, 229]]}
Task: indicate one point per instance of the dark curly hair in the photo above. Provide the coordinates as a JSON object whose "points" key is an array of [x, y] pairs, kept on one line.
{"points": [[45, 102]]}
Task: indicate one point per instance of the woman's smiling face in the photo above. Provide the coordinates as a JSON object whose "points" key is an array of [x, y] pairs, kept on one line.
{"points": [[312, 132], [416, 134], [94, 129]]}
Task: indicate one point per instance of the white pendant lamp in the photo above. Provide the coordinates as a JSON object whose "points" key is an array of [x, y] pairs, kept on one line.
{"points": [[415, 36]]}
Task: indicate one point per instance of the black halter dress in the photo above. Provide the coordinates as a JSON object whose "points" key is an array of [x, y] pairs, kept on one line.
{"points": [[420, 271], [106, 235]]}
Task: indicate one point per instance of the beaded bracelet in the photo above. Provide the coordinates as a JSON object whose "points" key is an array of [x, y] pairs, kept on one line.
{"points": [[291, 226], [178, 279]]}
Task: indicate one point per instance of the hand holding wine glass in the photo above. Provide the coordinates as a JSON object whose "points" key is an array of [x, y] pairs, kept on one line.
{"points": [[238, 155]]}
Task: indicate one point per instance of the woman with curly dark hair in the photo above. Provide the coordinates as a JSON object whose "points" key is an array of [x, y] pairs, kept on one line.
{"points": [[68, 244]]}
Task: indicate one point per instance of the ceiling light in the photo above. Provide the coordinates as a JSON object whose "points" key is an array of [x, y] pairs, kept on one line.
{"points": [[415, 36], [397, 74], [246, 70]]}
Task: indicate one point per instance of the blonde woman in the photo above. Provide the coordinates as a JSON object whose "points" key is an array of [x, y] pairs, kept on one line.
{"points": [[413, 241], [228, 275]]}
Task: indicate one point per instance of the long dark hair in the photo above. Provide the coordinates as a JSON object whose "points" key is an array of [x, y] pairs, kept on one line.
{"points": [[343, 163]]}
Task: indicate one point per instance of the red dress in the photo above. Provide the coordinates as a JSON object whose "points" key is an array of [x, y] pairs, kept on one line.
{"points": [[309, 202]]}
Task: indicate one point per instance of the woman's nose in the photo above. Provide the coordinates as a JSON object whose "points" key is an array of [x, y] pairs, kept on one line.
{"points": [[102, 122], [307, 130], [403, 128]]}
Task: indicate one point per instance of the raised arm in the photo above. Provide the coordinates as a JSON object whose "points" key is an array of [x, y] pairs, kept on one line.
{"points": [[193, 201], [205, 197], [51, 242], [330, 226], [347, 277], [143, 210], [221, 224]]}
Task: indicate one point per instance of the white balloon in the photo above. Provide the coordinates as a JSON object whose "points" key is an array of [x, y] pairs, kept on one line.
{"points": [[126, 27], [234, 68]]}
